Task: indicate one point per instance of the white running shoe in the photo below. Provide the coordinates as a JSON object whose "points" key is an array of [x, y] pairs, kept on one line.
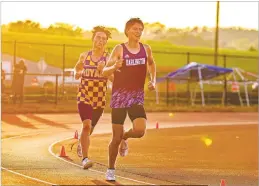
{"points": [[79, 150], [124, 148], [110, 175], [87, 163]]}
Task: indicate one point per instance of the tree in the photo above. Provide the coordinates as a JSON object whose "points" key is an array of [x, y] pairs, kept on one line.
{"points": [[64, 29], [204, 29], [24, 26], [113, 30], [78, 31], [252, 49], [195, 29], [154, 28], [4, 28]]}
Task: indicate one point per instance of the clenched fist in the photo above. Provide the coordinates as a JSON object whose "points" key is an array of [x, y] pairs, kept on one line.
{"points": [[78, 75], [151, 86], [118, 64], [100, 66]]}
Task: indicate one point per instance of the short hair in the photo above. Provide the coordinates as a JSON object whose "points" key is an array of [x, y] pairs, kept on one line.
{"points": [[101, 29], [131, 22]]}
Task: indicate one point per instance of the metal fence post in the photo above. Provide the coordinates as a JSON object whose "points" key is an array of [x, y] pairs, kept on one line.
{"points": [[188, 83], [56, 98], [216, 37], [225, 82], [63, 76], [14, 54], [167, 92]]}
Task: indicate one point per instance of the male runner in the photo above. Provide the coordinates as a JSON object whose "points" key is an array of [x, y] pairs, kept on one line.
{"points": [[92, 89], [128, 62]]}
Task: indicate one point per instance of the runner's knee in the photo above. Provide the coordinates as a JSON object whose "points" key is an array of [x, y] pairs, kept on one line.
{"points": [[116, 141], [139, 127], [139, 133], [87, 126]]}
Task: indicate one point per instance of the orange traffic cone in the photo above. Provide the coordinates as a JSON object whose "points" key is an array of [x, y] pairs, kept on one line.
{"points": [[222, 183], [63, 152], [76, 135], [157, 125]]}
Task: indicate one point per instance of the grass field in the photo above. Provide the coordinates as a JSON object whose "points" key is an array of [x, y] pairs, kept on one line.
{"points": [[71, 107], [163, 52]]}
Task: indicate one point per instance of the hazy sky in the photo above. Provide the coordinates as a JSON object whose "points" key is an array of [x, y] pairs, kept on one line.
{"points": [[115, 14]]}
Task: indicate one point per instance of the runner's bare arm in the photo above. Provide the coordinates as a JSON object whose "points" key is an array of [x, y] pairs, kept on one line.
{"points": [[79, 66], [151, 64], [114, 62], [111, 78]]}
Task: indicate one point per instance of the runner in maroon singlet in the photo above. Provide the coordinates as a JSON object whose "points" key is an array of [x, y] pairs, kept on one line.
{"points": [[129, 63]]}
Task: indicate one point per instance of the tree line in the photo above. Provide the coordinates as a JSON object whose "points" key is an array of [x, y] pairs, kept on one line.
{"points": [[29, 26], [231, 37]]}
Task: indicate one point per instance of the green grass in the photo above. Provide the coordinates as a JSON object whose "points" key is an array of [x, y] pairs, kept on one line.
{"points": [[71, 107], [163, 52]]}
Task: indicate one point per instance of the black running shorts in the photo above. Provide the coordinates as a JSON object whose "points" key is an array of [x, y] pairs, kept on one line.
{"points": [[134, 112]]}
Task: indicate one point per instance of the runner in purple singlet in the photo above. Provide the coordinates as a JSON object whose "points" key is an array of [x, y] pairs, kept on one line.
{"points": [[129, 63], [92, 89]]}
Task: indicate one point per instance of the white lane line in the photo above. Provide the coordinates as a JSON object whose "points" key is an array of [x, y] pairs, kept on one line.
{"points": [[24, 135], [165, 126], [201, 124], [17, 173], [36, 179], [51, 152]]}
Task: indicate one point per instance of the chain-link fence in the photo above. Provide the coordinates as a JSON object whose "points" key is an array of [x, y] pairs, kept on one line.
{"points": [[56, 84], [65, 56], [47, 88]]}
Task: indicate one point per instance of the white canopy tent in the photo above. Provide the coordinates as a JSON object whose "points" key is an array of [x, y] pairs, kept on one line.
{"points": [[232, 79]]}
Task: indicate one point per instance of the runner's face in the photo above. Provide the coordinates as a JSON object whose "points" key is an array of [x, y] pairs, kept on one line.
{"points": [[135, 32], [100, 40]]}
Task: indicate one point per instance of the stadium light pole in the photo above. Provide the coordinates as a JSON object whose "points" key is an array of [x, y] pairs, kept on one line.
{"points": [[216, 36]]}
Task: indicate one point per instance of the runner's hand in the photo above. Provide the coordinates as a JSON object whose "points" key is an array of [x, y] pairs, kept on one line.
{"points": [[78, 75], [118, 64], [151, 85], [100, 66]]}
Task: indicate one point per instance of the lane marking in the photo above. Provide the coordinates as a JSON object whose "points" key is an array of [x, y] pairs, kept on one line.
{"points": [[51, 152], [50, 148], [32, 178], [24, 135], [202, 124], [23, 175], [166, 126]]}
